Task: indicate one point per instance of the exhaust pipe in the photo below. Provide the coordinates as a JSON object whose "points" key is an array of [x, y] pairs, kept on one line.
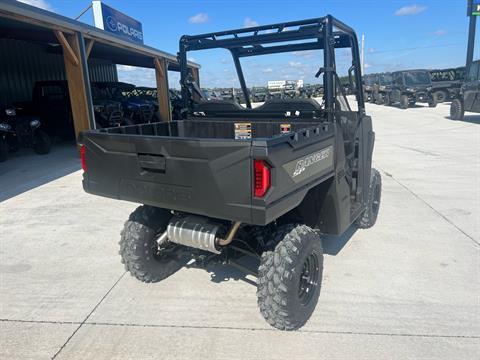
{"points": [[198, 232]]}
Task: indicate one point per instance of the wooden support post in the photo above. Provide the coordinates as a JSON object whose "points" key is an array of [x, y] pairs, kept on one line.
{"points": [[88, 47], [68, 52], [163, 94], [77, 80]]}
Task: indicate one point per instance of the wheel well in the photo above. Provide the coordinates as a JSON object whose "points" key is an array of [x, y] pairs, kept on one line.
{"points": [[319, 208]]}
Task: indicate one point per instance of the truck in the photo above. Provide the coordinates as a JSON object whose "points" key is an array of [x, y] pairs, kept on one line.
{"points": [[468, 98], [410, 87], [229, 183]]}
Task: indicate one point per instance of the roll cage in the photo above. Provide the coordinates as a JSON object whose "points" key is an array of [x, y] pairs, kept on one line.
{"points": [[325, 33]]}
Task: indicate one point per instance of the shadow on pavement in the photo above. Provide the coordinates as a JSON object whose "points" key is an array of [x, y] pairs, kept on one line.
{"points": [[24, 170], [221, 273], [332, 245], [473, 119]]}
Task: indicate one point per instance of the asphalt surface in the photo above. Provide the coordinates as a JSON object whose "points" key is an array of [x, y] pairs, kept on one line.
{"points": [[406, 289]]}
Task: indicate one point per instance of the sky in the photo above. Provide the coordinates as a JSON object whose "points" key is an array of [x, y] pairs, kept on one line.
{"points": [[399, 34]]}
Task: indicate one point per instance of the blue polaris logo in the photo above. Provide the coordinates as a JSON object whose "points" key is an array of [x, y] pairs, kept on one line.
{"points": [[111, 23], [117, 23]]}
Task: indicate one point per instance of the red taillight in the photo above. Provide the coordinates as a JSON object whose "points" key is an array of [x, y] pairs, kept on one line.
{"points": [[82, 157], [261, 172]]}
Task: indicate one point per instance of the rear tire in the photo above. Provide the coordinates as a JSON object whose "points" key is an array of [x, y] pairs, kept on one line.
{"points": [[42, 143], [457, 111], [404, 102], [380, 99], [290, 277], [139, 249], [3, 150], [432, 102], [369, 216]]}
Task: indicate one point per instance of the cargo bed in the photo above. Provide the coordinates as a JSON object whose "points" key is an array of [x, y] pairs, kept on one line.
{"points": [[205, 167]]}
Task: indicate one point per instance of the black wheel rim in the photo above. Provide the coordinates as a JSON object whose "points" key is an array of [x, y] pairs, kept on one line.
{"points": [[308, 279], [376, 199]]}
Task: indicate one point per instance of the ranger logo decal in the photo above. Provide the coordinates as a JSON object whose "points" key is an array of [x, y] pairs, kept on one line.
{"points": [[309, 165]]}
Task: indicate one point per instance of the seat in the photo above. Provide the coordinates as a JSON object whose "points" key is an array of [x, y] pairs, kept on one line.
{"points": [[217, 106], [292, 105]]}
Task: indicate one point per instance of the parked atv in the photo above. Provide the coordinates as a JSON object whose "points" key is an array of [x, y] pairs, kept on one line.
{"points": [[410, 87], [468, 98], [108, 112], [135, 110], [21, 131], [230, 182]]}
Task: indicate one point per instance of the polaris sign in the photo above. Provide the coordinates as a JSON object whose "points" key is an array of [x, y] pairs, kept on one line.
{"points": [[115, 22]]}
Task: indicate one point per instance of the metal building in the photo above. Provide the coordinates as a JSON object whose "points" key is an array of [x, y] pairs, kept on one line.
{"points": [[23, 63]]}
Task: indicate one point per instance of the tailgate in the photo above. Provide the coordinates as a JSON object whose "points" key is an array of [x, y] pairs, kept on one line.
{"points": [[201, 176]]}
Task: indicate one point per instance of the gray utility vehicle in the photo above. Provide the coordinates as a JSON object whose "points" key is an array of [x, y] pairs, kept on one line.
{"points": [[369, 83], [380, 94], [446, 83], [230, 183], [468, 98], [409, 87]]}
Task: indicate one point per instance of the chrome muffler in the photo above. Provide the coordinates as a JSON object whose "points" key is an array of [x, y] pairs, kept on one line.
{"points": [[198, 232]]}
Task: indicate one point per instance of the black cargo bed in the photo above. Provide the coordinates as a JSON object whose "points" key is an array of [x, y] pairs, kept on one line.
{"points": [[204, 168]]}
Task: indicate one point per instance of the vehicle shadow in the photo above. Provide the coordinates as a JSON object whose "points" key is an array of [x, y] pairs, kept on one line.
{"points": [[332, 245], [24, 170], [220, 272], [472, 119]]}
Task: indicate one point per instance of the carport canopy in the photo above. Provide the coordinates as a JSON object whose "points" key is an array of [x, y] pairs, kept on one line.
{"points": [[78, 42]]}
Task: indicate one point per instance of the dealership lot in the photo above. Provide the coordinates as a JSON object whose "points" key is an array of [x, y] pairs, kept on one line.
{"points": [[407, 288]]}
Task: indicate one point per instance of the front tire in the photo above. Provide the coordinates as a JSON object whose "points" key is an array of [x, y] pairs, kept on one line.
{"points": [[440, 96], [290, 277], [404, 102], [369, 216], [139, 249], [42, 143], [457, 111]]}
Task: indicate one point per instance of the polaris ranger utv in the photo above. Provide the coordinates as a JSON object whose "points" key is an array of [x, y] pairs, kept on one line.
{"points": [[370, 82], [381, 90], [229, 182], [410, 87], [468, 98]]}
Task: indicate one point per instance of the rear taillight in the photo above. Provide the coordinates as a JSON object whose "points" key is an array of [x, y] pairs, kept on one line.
{"points": [[82, 157], [262, 181]]}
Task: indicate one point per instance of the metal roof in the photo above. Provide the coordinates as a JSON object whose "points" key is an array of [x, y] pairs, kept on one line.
{"points": [[25, 22]]}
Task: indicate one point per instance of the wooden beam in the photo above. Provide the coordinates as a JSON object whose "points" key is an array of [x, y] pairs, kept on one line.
{"points": [[163, 94], [76, 85], [67, 49], [89, 47]]}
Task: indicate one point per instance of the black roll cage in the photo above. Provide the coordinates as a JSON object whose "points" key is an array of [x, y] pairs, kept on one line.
{"points": [[251, 42]]}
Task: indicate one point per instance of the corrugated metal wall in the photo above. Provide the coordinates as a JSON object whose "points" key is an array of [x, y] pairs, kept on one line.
{"points": [[23, 63]]}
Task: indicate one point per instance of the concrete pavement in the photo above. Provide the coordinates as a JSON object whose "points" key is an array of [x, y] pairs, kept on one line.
{"points": [[407, 288]]}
